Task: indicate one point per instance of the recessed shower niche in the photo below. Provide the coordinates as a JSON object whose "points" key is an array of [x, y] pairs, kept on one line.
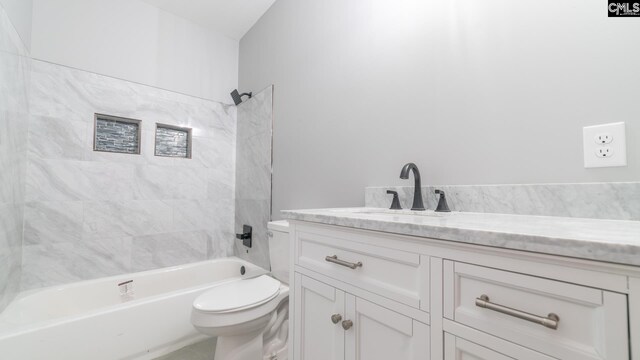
{"points": [[173, 141], [116, 134]]}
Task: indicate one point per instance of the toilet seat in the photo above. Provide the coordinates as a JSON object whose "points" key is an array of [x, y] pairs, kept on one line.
{"points": [[238, 295]]}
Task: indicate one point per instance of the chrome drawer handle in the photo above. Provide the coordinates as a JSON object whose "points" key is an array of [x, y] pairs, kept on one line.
{"points": [[334, 259], [347, 324], [335, 318], [551, 321]]}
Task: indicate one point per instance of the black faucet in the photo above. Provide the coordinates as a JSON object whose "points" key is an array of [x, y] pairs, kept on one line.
{"points": [[417, 191]]}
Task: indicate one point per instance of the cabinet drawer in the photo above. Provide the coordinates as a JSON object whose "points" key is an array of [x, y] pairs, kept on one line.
{"points": [[395, 274], [592, 323], [457, 348]]}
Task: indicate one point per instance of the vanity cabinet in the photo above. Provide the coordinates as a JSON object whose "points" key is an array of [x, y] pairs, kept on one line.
{"points": [[368, 295]]}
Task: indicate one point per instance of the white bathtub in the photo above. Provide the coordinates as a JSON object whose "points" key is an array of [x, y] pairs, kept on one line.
{"points": [[92, 320]]}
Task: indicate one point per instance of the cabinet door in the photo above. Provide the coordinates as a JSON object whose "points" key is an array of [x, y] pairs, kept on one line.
{"points": [[316, 337], [378, 333]]}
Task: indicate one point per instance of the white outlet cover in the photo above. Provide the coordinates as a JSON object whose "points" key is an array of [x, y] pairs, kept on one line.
{"points": [[618, 145]]}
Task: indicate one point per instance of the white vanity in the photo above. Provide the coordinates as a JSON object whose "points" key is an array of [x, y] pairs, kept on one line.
{"points": [[373, 284]]}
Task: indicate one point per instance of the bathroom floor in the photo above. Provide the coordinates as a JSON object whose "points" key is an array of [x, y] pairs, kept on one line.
{"points": [[199, 351]]}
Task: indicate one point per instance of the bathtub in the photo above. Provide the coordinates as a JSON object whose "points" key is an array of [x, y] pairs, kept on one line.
{"points": [[102, 319]]}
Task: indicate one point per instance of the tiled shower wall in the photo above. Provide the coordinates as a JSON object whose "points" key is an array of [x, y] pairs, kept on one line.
{"points": [[92, 214], [14, 116], [253, 174]]}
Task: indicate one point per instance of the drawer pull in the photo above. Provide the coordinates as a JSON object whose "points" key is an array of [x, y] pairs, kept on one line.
{"points": [[334, 259], [335, 318], [347, 324], [551, 321]]}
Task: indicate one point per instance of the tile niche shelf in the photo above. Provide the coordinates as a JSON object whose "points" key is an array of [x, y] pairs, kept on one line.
{"points": [[173, 141], [116, 134]]}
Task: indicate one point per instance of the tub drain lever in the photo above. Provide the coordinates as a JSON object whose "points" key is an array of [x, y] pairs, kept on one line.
{"points": [[126, 290]]}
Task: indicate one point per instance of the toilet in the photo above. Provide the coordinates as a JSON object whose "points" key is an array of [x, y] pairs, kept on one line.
{"points": [[250, 316]]}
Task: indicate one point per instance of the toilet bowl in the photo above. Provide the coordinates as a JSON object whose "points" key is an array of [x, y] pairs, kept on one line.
{"points": [[250, 316], [240, 314]]}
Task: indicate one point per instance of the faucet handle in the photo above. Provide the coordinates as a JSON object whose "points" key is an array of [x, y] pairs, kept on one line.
{"points": [[246, 235], [442, 202], [395, 204]]}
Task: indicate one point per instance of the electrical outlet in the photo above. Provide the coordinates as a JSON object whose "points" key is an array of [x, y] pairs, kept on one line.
{"points": [[604, 138], [604, 152], [605, 145]]}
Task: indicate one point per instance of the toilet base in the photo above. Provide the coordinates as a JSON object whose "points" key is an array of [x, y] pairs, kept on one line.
{"points": [[259, 333], [282, 354], [240, 347]]}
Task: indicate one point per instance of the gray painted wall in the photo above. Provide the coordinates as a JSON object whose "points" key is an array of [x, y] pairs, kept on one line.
{"points": [[496, 92]]}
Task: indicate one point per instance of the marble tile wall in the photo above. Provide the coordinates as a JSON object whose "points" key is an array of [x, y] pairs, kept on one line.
{"points": [[253, 174], [14, 115], [589, 200], [92, 214]]}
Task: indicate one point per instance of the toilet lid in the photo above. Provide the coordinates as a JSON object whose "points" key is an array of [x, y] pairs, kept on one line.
{"points": [[238, 294]]}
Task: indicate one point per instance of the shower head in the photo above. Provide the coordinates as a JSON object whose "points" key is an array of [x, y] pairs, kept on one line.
{"points": [[237, 97]]}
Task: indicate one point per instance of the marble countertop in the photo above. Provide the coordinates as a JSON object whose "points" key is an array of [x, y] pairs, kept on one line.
{"points": [[615, 241]]}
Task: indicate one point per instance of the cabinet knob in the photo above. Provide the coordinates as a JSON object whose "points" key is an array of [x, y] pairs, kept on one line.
{"points": [[335, 318], [347, 324]]}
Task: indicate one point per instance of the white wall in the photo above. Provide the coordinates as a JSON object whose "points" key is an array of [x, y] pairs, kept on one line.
{"points": [[19, 11], [474, 92], [132, 40]]}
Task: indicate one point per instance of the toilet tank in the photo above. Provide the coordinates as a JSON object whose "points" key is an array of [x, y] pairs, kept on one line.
{"points": [[279, 249]]}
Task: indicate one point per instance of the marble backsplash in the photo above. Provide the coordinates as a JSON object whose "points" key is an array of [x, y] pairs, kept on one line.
{"points": [[253, 174], [14, 117], [92, 214], [620, 201]]}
